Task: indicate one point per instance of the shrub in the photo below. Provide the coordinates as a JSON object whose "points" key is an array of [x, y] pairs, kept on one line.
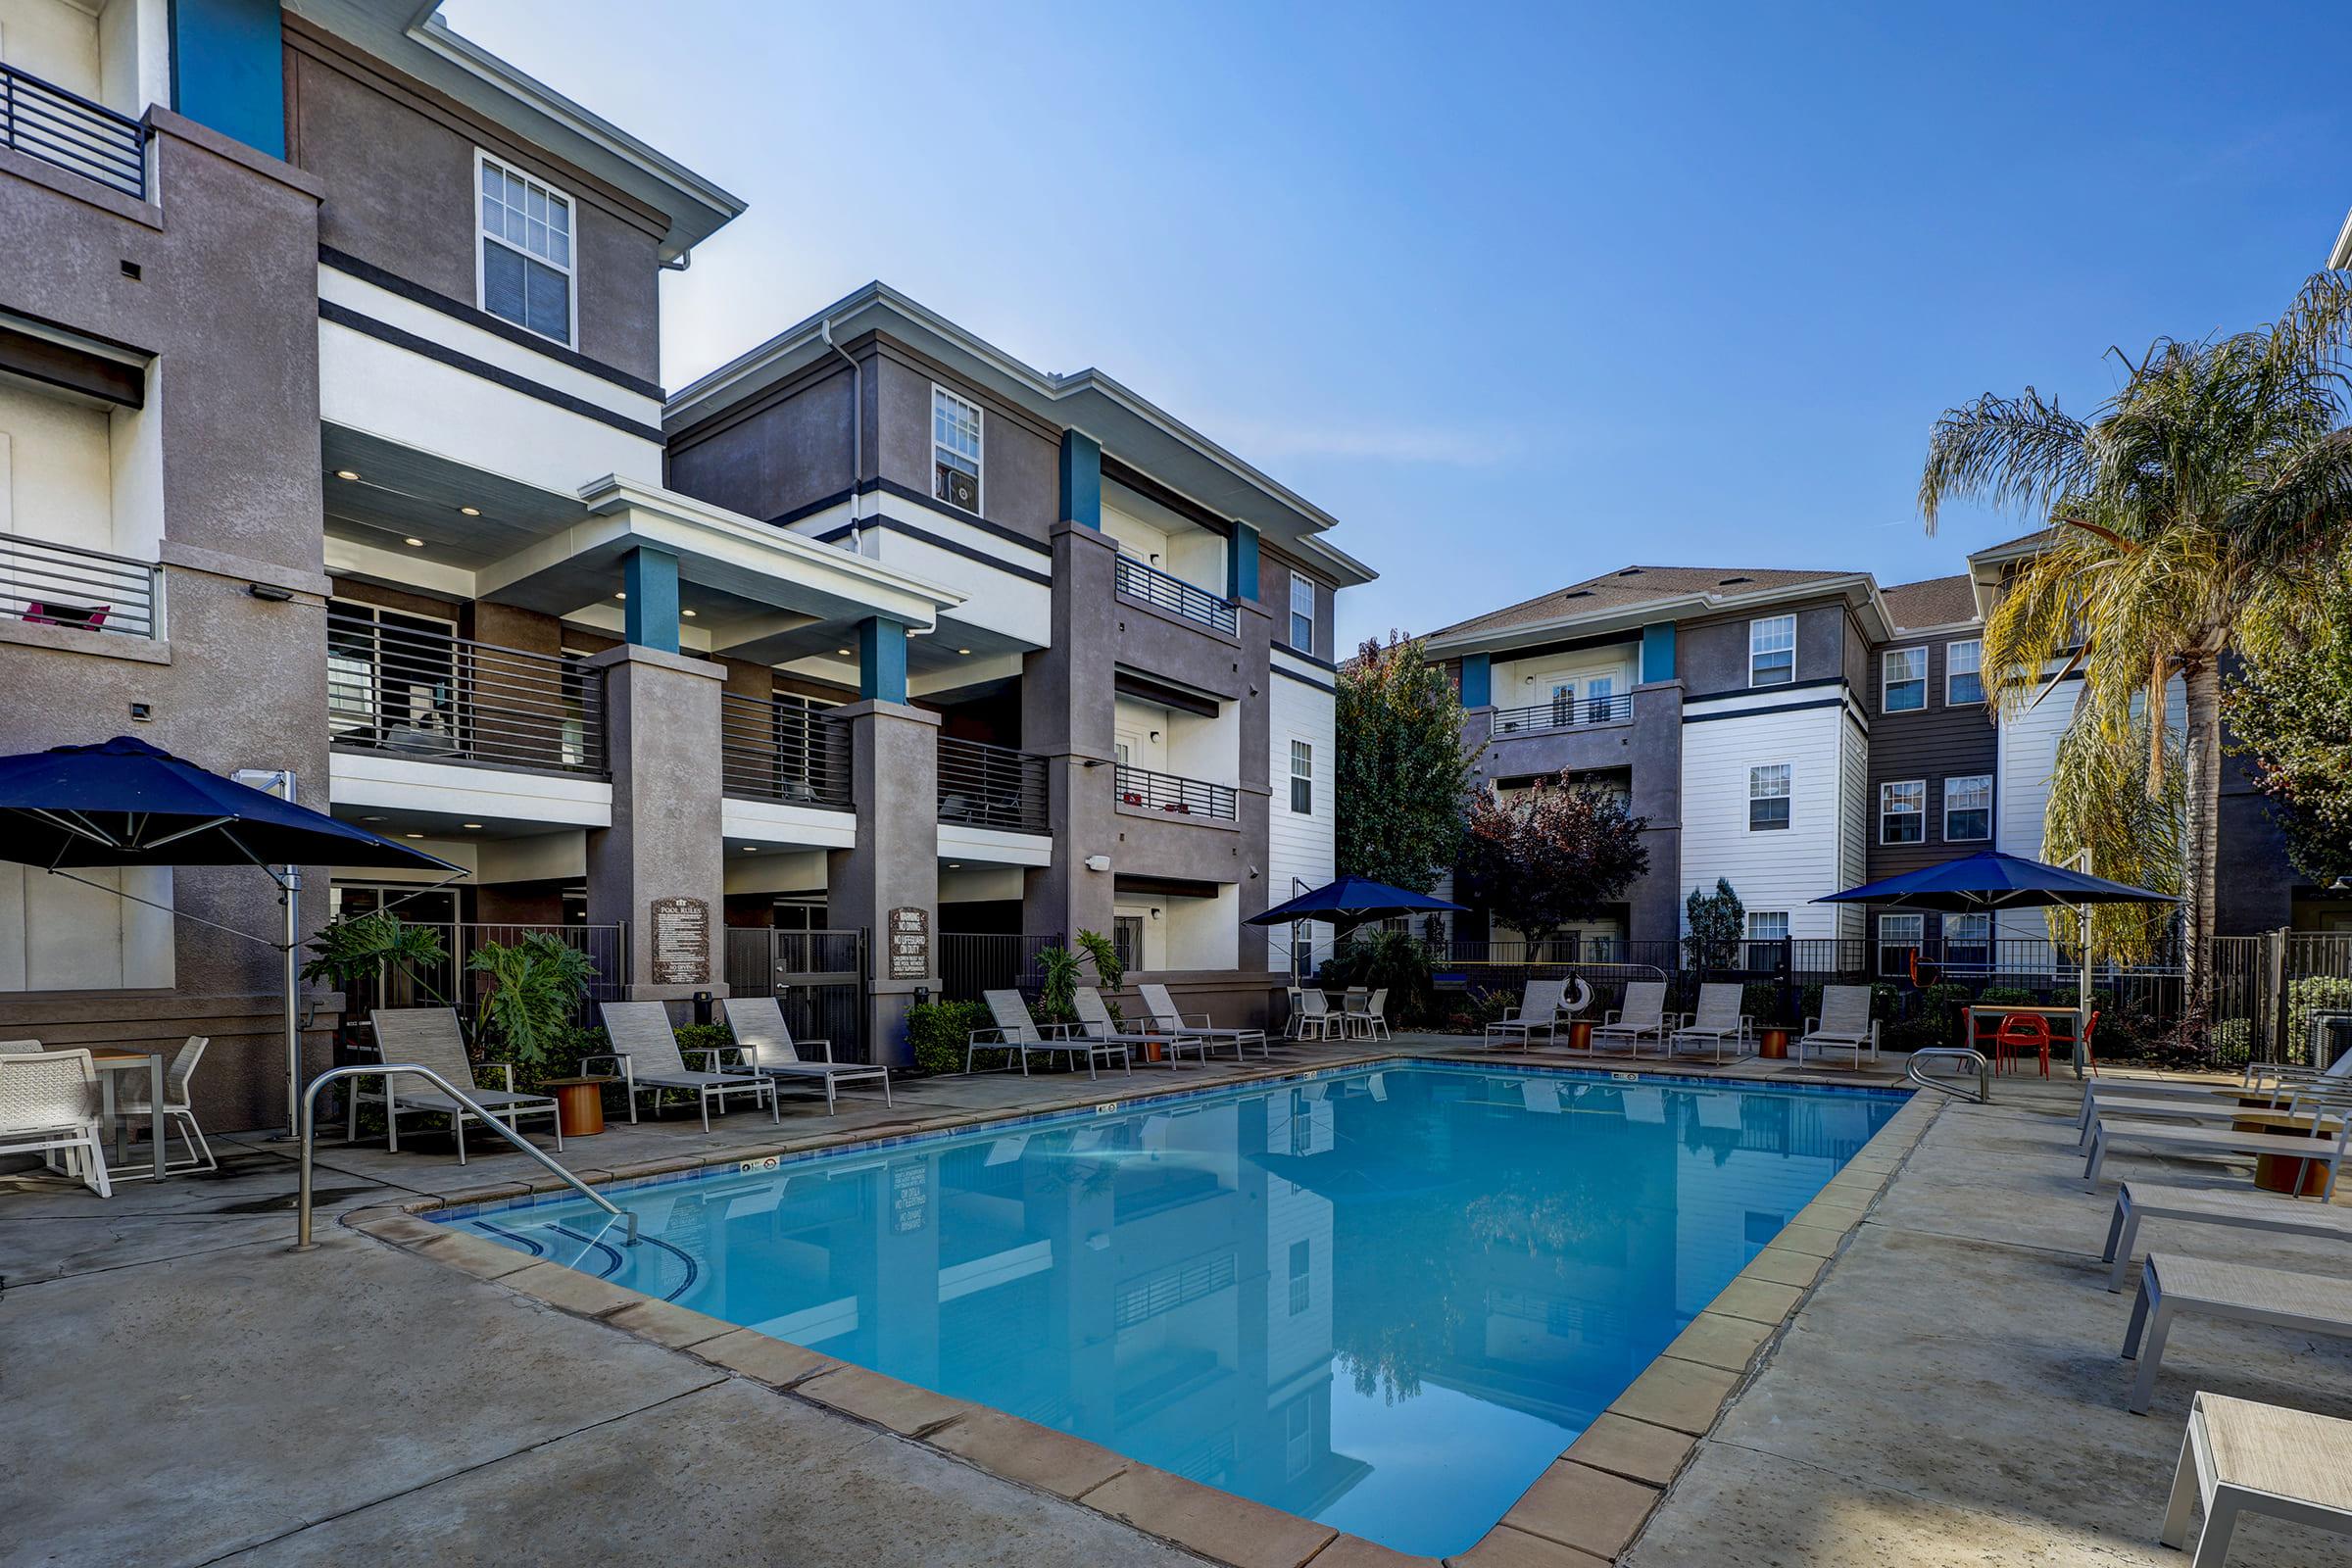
{"points": [[1057, 968], [536, 986], [1760, 1000], [1389, 959], [939, 1031], [693, 1037]]}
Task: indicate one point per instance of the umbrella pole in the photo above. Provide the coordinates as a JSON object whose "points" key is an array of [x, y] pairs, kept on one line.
{"points": [[290, 894]]}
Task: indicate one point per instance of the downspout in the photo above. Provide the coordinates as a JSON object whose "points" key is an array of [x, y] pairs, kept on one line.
{"points": [[824, 330]]}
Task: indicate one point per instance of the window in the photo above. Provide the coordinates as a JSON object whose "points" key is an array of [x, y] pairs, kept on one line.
{"points": [[525, 250], [1903, 673], [1302, 1290], [1968, 941], [1600, 700], [1771, 651], [1899, 937], [1764, 926], [1768, 798], [1968, 808], [1963, 673], [1302, 614], [1127, 940], [954, 449], [1302, 778], [1903, 812]]}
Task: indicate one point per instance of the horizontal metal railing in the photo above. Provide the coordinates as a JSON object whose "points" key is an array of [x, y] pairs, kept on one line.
{"points": [[47, 584], [44, 120], [393, 687], [1565, 713], [778, 750], [991, 786], [1173, 594], [1144, 790]]}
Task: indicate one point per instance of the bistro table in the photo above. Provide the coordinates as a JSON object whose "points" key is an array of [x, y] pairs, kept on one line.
{"points": [[112, 1059], [2001, 1009]]}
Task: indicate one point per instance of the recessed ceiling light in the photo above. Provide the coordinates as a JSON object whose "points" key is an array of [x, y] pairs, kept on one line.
{"points": [[751, 849], [470, 512], [415, 834], [954, 865], [622, 595], [689, 614], [470, 824], [964, 651], [375, 818], [345, 473], [414, 543], [843, 652]]}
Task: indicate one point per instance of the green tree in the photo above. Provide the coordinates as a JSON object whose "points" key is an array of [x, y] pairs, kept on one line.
{"points": [[2291, 715], [2189, 517], [1718, 923], [1401, 773], [1547, 855]]}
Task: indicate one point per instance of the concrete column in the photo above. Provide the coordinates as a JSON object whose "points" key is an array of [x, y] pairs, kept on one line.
{"points": [[1067, 710], [661, 710], [893, 777], [1655, 902]]}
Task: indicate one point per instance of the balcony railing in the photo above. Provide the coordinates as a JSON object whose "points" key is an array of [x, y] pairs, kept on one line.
{"points": [[991, 786], [45, 584], [44, 120], [1176, 596], [783, 750], [1565, 713], [1140, 789], [396, 687]]}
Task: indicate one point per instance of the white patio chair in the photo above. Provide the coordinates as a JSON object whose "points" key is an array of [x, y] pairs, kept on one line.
{"points": [[132, 1101], [1164, 1017], [2312, 1095], [1845, 1024], [1718, 1019], [1642, 1017], [1538, 1006], [1368, 1019], [763, 1044], [431, 1037], [1315, 1016], [646, 1049], [49, 1105], [1014, 1031]]}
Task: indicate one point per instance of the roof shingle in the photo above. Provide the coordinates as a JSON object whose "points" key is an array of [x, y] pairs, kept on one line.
{"points": [[1936, 602], [1627, 586]]}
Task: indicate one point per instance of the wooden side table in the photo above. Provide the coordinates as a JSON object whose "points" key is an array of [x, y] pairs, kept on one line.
{"points": [[1773, 1045], [579, 1104], [1580, 1035]]}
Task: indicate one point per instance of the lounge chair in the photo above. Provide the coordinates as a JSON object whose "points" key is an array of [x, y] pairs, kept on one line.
{"points": [[1642, 1017], [2237, 1209], [2313, 1095], [646, 1048], [1165, 1016], [763, 1044], [2238, 1456], [1016, 1032], [1367, 1017], [49, 1105], [2260, 1080], [2224, 1142], [1716, 1020], [431, 1037], [1845, 1024], [1538, 1006], [1096, 1023], [2169, 1285]]}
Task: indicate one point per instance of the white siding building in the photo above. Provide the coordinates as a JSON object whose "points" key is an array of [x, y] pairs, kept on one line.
{"points": [[1301, 768], [1772, 795]]}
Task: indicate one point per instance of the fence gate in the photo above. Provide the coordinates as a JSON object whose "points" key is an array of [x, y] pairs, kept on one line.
{"points": [[2287, 995], [817, 978]]}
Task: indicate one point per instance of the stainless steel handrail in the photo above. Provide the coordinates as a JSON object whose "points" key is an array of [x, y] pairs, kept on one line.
{"points": [[1962, 1055], [310, 1118]]}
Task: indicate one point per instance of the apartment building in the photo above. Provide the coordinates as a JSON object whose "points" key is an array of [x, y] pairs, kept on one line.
{"points": [[332, 440]]}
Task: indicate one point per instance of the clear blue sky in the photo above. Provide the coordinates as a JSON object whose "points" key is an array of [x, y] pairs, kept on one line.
{"points": [[1518, 294]]}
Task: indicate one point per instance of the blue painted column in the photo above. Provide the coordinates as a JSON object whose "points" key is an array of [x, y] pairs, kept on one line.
{"points": [[1658, 652], [1081, 479], [652, 578], [1477, 680], [882, 660], [1240, 563], [228, 69]]}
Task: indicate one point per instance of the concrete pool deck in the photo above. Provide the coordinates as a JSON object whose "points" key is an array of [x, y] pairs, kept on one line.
{"points": [[1947, 1389]]}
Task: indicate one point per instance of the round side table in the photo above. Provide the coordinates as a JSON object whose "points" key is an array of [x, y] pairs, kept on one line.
{"points": [[579, 1104]]}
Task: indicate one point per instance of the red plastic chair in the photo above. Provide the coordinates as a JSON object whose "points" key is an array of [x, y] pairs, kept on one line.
{"points": [[2020, 1032]]}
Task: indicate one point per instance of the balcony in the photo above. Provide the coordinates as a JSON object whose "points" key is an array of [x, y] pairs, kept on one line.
{"points": [[45, 584], [1175, 596], [398, 687], [1564, 713], [44, 120], [991, 786], [783, 750], [1142, 790]]}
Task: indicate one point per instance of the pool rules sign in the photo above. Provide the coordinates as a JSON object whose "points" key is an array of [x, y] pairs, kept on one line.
{"points": [[909, 943]]}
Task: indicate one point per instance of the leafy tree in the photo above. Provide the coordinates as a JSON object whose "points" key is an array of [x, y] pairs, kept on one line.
{"points": [[1718, 923], [2292, 717], [1384, 958], [2191, 517], [1402, 772], [1556, 853], [2102, 799], [536, 986], [357, 945]]}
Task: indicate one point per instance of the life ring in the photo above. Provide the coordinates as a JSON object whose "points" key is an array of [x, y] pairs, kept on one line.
{"points": [[1584, 996]]}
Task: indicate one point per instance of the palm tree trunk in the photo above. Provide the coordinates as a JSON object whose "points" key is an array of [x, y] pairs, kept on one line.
{"points": [[2203, 789]]}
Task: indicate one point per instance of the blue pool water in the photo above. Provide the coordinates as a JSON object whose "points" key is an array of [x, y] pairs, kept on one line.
{"points": [[1382, 1299]]}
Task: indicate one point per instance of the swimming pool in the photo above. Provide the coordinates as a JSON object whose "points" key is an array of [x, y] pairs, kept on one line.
{"points": [[1383, 1299]]}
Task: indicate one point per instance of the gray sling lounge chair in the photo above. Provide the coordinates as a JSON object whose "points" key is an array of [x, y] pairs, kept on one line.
{"points": [[764, 1044], [1167, 1018], [431, 1037], [1845, 1024], [1016, 1032], [2235, 1207], [1096, 1023], [2169, 1285], [2326, 1141], [1539, 1007], [646, 1048], [1642, 1017], [1717, 1022]]}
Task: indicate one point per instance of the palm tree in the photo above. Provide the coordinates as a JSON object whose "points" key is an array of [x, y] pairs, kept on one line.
{"points": [[2189, 516]]}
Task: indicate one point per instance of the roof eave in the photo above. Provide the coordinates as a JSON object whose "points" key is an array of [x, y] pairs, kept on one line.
{"points": [[2340, 257], [1856, 588]]}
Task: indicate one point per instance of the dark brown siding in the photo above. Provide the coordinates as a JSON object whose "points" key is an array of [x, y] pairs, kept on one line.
{"points": [[1933, 743]]}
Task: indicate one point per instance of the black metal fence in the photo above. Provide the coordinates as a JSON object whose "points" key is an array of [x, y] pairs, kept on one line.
{"points": [[1565, 713], [782, 748], [991, 786], [44, 120], [970, 962], [1147, 791], [817, 978], [393, 686], [1164, 590], [452, 984], [2284, 996]]}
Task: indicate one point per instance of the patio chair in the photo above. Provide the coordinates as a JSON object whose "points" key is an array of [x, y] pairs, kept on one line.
{"points": [[2233, 1208], [1716, 1020], [2171, 1285], [49, 1105], [1538, 1006], [2228, 1143], [2238, 1456], [1367, 1016], [764, 1044], [431, 1037], [133, 1101], [1845, 1024], [1642, 1017], [1016, 1032], [2274, 1081], [1315, 1015], [1096, 1023], [1165, 1016], [646, 1049]]}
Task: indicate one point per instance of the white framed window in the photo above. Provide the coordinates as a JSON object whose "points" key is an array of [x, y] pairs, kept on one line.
{"points": [[1602, 700], [1771, 651], [1764, 926], [523, 251], [1302, 778], [1963, 673], [1968, 940], [1899, 937], [956, 436], [1968, 808], [1903, 812], [1768, 797], [1302, 614], [1903, 680], [1302, 1279]]}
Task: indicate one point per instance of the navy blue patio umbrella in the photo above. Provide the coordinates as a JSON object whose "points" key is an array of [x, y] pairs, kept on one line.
{"points": [[125, 802], [1348, 902]]}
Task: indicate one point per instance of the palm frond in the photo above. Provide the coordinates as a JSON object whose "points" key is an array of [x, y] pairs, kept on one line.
{"points": [[2020, 453]]}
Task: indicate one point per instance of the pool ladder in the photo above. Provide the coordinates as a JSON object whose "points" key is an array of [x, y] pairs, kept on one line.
{"points": [[310, 1118], [1966, 1057]]}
